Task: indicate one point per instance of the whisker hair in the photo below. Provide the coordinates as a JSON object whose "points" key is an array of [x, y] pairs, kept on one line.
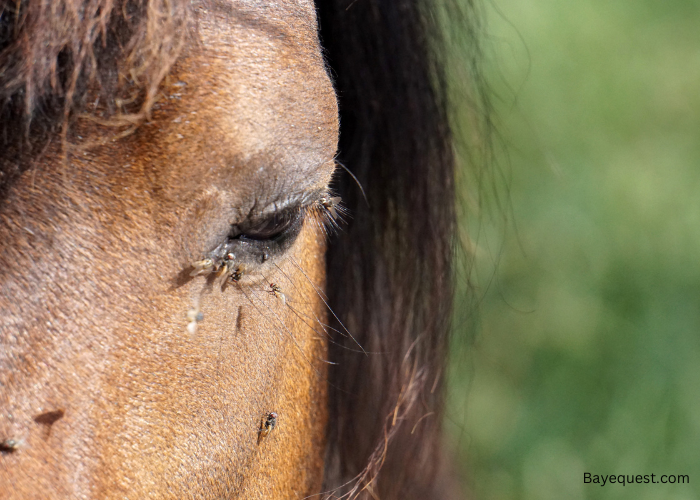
{"points": [[357, 181], [286, 329], [326, 303]]}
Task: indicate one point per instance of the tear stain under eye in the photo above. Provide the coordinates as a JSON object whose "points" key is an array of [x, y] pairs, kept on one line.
{"points": [[239, 319]]}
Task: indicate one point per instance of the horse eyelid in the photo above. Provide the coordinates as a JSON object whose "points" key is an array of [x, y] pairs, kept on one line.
{"points": [[254, 242], [272, 226], [288, 217]]}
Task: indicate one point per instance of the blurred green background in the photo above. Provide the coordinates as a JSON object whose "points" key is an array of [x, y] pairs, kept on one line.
{"points": [[586, 356]]}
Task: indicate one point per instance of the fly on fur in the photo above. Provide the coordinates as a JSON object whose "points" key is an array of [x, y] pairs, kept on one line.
{"points": [[267, 425], [204, 266], [277, 292]]}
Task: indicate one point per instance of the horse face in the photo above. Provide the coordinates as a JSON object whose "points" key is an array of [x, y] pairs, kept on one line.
{"points": [[123, 370]]}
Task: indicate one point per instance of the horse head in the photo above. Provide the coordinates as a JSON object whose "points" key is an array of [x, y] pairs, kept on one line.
{"points": [[174, 322]]}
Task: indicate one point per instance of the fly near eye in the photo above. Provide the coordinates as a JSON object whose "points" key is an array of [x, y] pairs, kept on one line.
{"points": [[331, 204]]}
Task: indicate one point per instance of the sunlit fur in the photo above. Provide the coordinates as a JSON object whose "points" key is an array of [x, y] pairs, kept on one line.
{"points": [[119, 125], [99, 225]]}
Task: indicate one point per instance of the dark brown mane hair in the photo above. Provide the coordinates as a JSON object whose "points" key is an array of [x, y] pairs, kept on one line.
{"points": [[390, 275]]}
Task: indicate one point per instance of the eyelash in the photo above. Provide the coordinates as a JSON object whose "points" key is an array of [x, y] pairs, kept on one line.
{"points": [[271, 228], [254, 241]]}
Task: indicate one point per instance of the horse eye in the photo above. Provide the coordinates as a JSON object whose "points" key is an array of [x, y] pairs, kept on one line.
{"points": [[251, 243], [275, 226]]}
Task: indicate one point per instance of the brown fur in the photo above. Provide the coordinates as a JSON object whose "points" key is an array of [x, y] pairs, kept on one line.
{"points": [[95, 241], [95, 244]]}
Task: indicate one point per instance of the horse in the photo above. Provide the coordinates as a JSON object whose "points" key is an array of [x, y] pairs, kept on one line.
{"points": [[188, 309]]}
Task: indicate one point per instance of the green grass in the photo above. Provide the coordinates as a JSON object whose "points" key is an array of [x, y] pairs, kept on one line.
{"points": [[587, 358]]}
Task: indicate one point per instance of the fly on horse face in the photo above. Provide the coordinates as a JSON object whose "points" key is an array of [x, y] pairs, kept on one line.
{"points": [[172, 275]]}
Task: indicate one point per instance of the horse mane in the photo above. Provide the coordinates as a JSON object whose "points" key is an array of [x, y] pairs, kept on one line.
{"points": [[389, 273], [55, 55]]}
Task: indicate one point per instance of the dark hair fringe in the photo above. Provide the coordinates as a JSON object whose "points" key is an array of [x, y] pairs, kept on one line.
{"points": [[54, 55], [390, 273]]}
